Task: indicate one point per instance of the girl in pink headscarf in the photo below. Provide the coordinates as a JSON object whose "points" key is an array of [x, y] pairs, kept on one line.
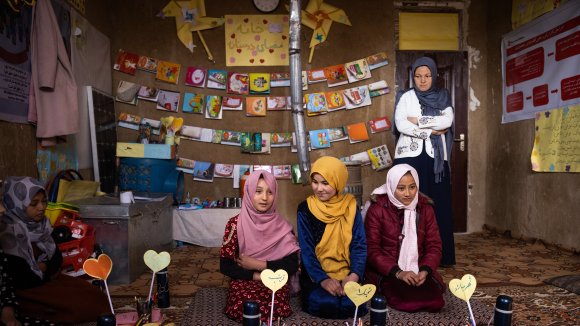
{"points": [[403, 244], [258, 238]]}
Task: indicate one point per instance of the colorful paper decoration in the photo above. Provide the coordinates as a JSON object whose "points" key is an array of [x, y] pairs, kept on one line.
{"points": [[256, 40], [156, 262], [359, 294], [319, 16], [463, 289], [190, 16], [273, 281], [100, 268]]}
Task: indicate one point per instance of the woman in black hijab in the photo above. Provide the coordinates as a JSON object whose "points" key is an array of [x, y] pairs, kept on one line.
{"points": [[423, 125]]}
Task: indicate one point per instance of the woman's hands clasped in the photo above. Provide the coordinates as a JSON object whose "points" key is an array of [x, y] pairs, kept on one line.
{"points": [[411, 278], [336, 287]]}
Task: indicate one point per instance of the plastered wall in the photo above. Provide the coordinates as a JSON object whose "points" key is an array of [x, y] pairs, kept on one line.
{"points": [[531, 205]]}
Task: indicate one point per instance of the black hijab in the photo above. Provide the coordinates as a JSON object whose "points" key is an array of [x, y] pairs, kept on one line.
{"points": [[433, 101]]}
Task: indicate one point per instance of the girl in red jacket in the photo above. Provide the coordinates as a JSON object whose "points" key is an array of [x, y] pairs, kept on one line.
{"points": [[403, 244]]}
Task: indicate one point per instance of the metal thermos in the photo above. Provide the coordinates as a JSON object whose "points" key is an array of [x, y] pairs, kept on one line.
{"points": [[107, 320], [163, 289], [378, 311], [251, 313], [503, 311]]}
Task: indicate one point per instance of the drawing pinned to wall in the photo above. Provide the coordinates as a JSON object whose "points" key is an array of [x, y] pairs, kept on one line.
{"points": [[256, 40], [319, 16], [190, 16], [557, 140]]}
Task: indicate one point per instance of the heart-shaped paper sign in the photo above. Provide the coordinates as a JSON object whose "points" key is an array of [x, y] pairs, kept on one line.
{"points": [[98, 268], [156, 261], [359, 294], [274, 280], [464, 288]]}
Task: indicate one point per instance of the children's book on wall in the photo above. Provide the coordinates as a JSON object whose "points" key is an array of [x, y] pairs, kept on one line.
{"points": [[168, 71], [193, 103], [195, 76]]}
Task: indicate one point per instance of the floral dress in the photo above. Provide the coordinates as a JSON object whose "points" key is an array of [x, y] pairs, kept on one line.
{"points": [[243, 288]]}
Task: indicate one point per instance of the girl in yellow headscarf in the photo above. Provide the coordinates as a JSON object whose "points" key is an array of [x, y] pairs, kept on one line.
{"points": [[332, 242]]}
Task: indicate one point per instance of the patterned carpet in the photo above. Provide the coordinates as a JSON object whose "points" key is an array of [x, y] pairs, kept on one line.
{"points": [[501, 265]]}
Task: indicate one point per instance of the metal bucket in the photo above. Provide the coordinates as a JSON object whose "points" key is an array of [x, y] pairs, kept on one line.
{"points": [[354, 183]]}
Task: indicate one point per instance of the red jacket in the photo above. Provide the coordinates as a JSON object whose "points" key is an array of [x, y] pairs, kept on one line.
{"points": [[383, 226]]}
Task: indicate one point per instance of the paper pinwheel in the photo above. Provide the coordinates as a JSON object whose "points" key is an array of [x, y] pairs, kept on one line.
{"points": [[319, 16], [190, 17]]}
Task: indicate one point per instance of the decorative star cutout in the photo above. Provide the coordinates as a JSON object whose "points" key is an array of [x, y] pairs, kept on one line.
{"points": [[189, 16]]}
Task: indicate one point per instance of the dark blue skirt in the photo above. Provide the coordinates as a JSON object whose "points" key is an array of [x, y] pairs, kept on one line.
{"points": [[441, 194]]}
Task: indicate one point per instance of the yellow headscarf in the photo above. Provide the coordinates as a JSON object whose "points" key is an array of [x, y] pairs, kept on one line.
{"points": [[338, 213]]}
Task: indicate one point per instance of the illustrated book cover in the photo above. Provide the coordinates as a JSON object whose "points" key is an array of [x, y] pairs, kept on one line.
{"points": [[282, 171], [126, 62], [256, 106], [357, 97], [232, 103], [217, 79], [337, 134], [335, 75], [168, 72], [213, 107], [168, 101], [259, 83], [147, 64], [335, 100], [127, 92], [315, 104], [148, 93], [357, 70], [195, 76], [380, 157], [319, 139], [316, 76], [281, 139], [203, 171], [193, 103], [379, 124], [238, 83], [280, 79], [277, 103], [224, 170], [377, 60]]}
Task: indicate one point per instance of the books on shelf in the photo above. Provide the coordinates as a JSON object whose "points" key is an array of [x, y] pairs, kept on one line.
{"points": [[377, 60], [357, 132], [336, 75], [315, 104], [256, 106], [319, 139], [379, 124], [238, 83], [193, 103], [280, 79], [357, 70], [380, 157], [213, 107], [168, 101], [232, 103], [357, 97]]}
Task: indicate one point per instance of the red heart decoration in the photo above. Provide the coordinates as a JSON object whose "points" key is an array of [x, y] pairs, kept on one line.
{"points": [[239, 50], [283, 37], [271, 50], [98, 268], [261, 60], [246, 20], [233, 35], [252, 60], [265, 21]]}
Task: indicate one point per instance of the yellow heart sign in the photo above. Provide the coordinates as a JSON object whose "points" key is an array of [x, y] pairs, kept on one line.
{"points": [[464, 288], [156, 261], [359, 294], [274, 280], [98, 268]]}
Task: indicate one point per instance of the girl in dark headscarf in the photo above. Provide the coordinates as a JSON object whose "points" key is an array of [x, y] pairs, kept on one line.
{"points": [[33, 259], [423, 125]]}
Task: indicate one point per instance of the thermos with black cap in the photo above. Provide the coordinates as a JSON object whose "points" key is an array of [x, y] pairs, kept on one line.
{"points": [[503, 311], [378, 311], [251, 313]]}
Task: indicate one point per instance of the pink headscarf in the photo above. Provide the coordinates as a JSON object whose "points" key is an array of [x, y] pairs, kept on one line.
{"points": [[409, 255], [268, 235]]}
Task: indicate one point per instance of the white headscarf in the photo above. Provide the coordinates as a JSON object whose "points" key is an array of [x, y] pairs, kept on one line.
{"points": [[409, 255]]}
